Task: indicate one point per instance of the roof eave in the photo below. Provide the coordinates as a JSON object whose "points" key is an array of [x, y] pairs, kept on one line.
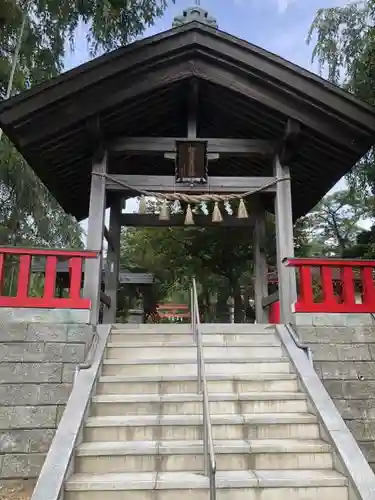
{"points": [[83, 75]]}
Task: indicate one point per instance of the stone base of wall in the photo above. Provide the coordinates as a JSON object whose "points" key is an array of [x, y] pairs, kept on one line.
{"points": [[343, 348], [50, 316], [37, 365]]}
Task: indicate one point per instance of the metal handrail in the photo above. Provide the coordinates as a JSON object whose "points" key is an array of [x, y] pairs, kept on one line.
{"points": [[208, 444], [304, 347], [87, 363]]}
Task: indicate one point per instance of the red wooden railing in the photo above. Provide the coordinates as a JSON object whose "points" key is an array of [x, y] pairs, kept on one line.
{"points": [[348, 272], [173, 311], [48, 300]]}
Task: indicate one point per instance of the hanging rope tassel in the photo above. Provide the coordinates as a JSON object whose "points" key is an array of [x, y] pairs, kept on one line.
{"points": [[164, 211], [242, 210], [142, 205], [216, 214], [189, 219]]}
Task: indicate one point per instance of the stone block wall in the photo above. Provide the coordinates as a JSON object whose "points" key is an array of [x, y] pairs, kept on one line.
{"points": [[37, 365], [343, 348]]}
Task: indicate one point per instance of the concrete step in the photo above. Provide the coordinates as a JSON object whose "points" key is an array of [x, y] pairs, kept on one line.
{"points": [[127, 351], [208, 339], [189, 366], [220, 403], [189, 427], [185, 328], [231, 485], [257, 382], [169, 456]]}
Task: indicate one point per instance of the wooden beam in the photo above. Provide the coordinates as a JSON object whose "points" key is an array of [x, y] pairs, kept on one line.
{"points": [[210, 156], [345, 124], [52, 121], [105, 299], [116, 71], [192, 109], [96, 222], [260, 260], [292, 129], [167, 184], [107, 236], [151, 220], [275, 98], [270, 299], [94, 135], [284, 241], [113, 261], [291, 141], [152, 145]]}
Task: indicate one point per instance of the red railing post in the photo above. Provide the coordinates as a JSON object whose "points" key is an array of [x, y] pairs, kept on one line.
{"points": [[329, 298], [348, 290], [368, 290], [50, 277], [23, 278], [2, 271], [75, 267], [306, 295]]}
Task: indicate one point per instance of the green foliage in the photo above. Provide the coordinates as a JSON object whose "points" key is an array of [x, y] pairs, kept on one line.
{"points": [[49, 23], [28, 213], [302, 243], [345, 47], [217, 257], [221, 258], [364, 247], [333, 226], [345, 43]]}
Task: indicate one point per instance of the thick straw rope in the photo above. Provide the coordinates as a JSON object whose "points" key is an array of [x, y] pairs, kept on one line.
{"points": [[193, 198]]}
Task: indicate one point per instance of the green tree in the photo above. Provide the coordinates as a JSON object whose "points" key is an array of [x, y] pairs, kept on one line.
{"points": [[364, 247], [345, 48], [302, 243], [28, 213], [333, 226], [219, 257], [49, 23]]}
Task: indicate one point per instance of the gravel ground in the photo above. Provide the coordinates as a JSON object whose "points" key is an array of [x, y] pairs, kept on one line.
{"points": [[15, 490]]}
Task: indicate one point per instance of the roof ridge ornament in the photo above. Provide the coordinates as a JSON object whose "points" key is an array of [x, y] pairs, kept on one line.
{"points": [[195, 13]]}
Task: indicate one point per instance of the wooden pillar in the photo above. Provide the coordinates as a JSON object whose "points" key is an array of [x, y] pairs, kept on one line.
{"points": [[113, 261], [284, 241], [260, 262], [95, 233]]}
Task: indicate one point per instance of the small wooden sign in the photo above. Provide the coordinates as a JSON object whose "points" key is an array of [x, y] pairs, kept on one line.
{"points": [[191, 161]]}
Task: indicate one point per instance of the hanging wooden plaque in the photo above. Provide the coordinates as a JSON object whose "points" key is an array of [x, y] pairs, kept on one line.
{"points": [[191, 161]]}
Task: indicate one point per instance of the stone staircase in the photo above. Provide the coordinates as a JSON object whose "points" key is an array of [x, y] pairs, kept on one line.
{"points": [[143, 437]]}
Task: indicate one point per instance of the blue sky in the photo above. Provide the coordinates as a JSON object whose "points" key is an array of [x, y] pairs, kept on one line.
{"points": [[280, 26]]}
